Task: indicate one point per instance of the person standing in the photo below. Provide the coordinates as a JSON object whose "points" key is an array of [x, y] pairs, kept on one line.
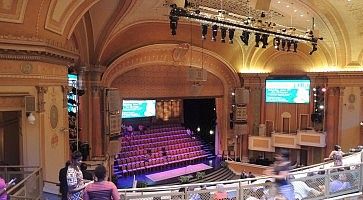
{"points": [[62, 177], [280, 172], [337, 156], [3, 186], [101, 189], [75, 178], [86, 174]]}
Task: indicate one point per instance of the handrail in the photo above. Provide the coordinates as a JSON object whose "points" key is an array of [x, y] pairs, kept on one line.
{"points": [[323, 163], [173, 187]]}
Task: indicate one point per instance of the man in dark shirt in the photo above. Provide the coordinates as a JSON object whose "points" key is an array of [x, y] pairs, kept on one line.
{"points": [[63, 186], [86, 174]]}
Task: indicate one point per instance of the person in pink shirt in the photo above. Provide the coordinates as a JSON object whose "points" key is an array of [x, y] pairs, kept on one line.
{"points": [[101, 189], [3, 195], [221, 194]]}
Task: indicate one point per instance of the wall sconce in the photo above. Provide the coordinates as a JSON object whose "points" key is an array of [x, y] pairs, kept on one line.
{"points": [[30, 117]]}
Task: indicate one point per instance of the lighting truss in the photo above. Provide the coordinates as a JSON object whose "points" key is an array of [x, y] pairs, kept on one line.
{"points": [[222, 20]]}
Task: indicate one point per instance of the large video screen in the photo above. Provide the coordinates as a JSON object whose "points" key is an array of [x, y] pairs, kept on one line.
{"points": [[138, 108], [287, 91]]}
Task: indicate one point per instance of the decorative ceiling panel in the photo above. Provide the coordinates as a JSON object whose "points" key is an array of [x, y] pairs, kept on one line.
{"points": [[12, 11], [58, 14]]}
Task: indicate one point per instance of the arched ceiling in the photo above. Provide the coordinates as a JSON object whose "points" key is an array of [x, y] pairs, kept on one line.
{"points": [[99, 31]]}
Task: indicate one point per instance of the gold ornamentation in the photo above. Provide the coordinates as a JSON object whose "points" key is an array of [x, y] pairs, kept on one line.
{"points": [[26, 68], [53, 116]]}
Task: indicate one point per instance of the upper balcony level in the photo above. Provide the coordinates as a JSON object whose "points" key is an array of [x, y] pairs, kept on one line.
{"points": [[295, 141]]}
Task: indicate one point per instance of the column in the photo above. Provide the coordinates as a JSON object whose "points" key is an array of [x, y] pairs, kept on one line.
{"points": [[97, 137], [332, 114]]}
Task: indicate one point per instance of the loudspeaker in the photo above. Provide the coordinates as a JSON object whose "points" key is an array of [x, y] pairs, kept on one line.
{"points": [[263, 5], [113, 99], [241, 96], [114, 147], [317, 117], [29, 104], [197, 74]]}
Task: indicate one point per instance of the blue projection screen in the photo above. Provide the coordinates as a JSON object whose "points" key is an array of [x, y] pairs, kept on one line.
{"points": [[138, 108], [287, 91]]}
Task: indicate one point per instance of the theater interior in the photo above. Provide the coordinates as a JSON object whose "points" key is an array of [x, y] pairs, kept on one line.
{"points": [[138, 84]]}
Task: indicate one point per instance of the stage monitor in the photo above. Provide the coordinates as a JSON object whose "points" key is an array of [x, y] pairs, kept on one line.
{"points": [[287, 90], [138, 108]]}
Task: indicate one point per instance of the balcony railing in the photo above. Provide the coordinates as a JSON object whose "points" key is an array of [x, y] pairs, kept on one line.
{"points": [[323, 181], [29, 182]]}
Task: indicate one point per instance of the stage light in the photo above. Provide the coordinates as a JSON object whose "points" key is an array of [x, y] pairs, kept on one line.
{"points": [[314, 49], [289, 42], [173, 24], [231, 35], [257, 39], [314, 89], [247, 24], [214, 32], [283, 44], [204, 30], [295, 46], [223, 34], [264, 40], [321, 107], [245, 37], [276, 43], [323, 89]]}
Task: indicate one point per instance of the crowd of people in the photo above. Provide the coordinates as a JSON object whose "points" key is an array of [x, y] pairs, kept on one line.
{"points": [[76, 183]]}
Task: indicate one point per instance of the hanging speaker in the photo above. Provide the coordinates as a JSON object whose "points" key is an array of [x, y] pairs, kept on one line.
{"points": [[242, 96], [29, 104], [263, 5], [114, 101]]}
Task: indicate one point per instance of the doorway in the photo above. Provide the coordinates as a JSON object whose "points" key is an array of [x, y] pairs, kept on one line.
{"points": [[10, 122]]}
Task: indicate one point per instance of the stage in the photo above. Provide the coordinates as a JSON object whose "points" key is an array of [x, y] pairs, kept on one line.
{"points": [[177, 172]]}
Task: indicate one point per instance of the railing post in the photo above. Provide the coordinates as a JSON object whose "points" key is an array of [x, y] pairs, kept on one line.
{"points": [[327, 182], [240, 191]]}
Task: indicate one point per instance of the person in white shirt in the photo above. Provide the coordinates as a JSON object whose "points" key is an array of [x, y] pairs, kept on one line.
{"points": [[302, 190]]}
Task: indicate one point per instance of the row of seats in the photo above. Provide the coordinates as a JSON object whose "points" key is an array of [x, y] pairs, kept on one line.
{"points": [[165, 129], [182, 143], [141, 166], [154, 135], [157, 144], [142, 157], [131, 142]]}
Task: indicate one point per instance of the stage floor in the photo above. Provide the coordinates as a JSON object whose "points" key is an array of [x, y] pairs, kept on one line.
{"points": [[160, 176]]}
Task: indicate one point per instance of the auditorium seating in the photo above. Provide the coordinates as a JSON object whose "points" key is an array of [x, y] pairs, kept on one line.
{"points": [[157, 148]]}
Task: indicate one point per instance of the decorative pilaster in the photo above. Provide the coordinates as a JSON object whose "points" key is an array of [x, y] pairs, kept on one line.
{"points": [[42, 90], [332, 115], [65, 91]]}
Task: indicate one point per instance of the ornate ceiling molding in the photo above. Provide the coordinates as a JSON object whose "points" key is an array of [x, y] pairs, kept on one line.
{"points": [[13, 11], [35, 49], [162, 54]]}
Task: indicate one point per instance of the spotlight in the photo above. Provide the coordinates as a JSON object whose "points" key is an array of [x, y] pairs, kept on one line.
{"points": [[314, 89], [321, 107], [257, 39], [314, 49], [223, 34], [295, 46], [204, 30], [323, 89], [289, 42], [214, 32], [245, 37], [276, 43], [230, 35], [264, 40], [173, 24], [283, 44]]}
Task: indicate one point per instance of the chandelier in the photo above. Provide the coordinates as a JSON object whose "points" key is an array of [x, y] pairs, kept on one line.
{"points": [[285, 38]]}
